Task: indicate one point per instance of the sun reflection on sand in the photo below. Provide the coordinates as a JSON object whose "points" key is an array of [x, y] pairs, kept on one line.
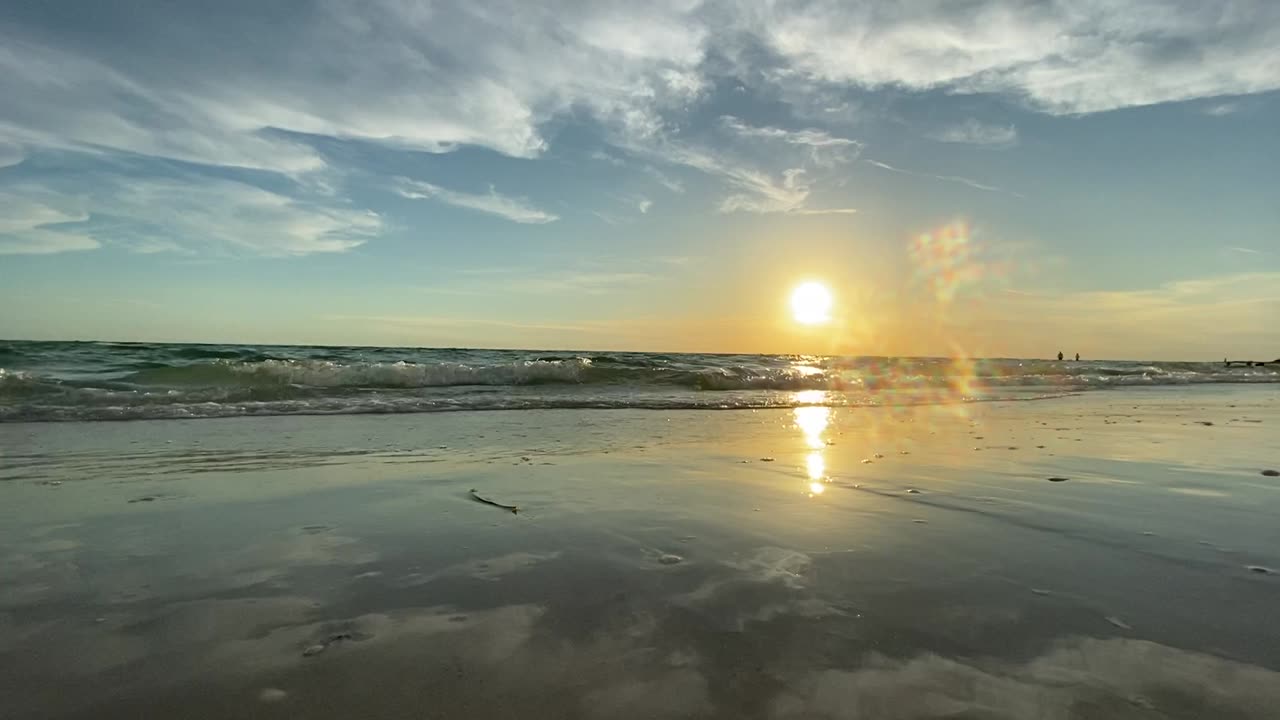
{"points": [[816, 465], [812, 420]]}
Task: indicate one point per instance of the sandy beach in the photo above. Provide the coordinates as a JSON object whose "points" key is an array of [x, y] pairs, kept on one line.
{"points": [[1102, 555]]}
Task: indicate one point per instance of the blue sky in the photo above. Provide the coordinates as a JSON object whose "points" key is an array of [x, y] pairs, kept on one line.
{"points": [[988, 178]]}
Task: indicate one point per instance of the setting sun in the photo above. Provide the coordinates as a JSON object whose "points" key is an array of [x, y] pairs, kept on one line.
{"points": [[811, 304]]}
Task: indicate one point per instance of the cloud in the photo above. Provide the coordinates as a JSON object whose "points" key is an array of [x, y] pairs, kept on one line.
{"points": [[1180, 319], [824, 149], [10, 154], [947, 178], [34, 226], [973, 132], [514, 209], [664, 180], [217, 87], [588, 282], [237, 216], [809, 138], [758, 191], [175, 214], [1059, 58], [1221, 109]]}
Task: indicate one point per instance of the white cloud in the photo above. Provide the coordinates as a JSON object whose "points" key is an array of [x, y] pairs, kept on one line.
{"points": [[185, 214], [758, 191], [33, 226], [664, 180], [214, 85], [514, 209], [1221, 109], [947, 178], [809, 138], [203, 212], [1060, 57], [10, 154], [824, 149], [588, 282], [973, 132]]}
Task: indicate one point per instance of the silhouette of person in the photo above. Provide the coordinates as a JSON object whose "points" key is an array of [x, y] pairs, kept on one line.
{"points": [[1059, 356], [1077, 357]]}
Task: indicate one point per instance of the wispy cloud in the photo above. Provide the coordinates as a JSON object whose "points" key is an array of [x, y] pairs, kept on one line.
{"points": [[824, 149], [586, 278], [10, 154], [758, 192], [973, 132], [182, 214], [807, 137], [1221, 109], [514, 209], [607, 157], [1183, 318], [426, 322], [30, 226], [664, 180], [947, 178]]}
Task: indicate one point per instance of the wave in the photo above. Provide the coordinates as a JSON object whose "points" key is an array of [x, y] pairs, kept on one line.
{"points": [[80, 381]]}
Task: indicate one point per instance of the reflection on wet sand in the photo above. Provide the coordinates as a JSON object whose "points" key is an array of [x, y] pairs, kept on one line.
{"points": [[665, 583], [812, 421]]}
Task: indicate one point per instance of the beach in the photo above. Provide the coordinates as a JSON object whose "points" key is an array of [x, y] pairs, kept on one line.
{"points": [[1095, 555]]}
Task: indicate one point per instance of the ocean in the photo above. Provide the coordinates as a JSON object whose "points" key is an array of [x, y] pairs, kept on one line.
{"points": [[70, 381]]}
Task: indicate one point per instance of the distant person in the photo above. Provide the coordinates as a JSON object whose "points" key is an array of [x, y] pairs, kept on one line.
{"points": [[1059, 356], [1077, 357]]}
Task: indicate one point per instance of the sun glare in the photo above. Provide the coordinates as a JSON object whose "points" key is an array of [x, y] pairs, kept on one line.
{"points": [[811, 304]]}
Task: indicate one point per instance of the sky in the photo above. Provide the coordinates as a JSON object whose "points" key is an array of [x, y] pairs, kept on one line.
{"points": [[982, 178]]}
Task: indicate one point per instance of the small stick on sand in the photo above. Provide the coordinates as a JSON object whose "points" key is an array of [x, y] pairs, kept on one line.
{"points": [[486, 501]]}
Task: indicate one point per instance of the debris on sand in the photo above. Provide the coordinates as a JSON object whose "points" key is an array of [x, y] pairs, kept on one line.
{"points": [[271, 695], [1260, 569], [1271, 473], [1118, 623], [766, 459], [912, 491], [1057, 479], [144, 498], [324, 644], [486, 501], [669, 559], [1206, 423]]}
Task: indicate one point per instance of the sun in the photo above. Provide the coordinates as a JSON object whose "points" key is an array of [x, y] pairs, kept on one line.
{"points": [[811, 303]]}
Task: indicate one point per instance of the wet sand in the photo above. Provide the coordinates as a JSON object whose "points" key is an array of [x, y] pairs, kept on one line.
{"points": [[911, 562]]}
